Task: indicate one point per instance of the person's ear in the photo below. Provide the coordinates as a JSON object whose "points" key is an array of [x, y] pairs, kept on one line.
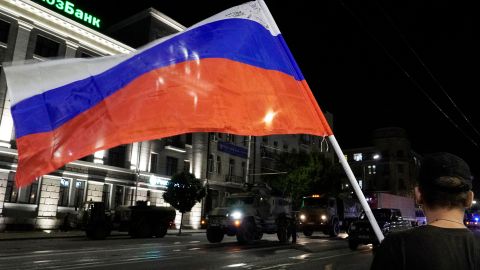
{"points": [[418, 196], [469, 200]]}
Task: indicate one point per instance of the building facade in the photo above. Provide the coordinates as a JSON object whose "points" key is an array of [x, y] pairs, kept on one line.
{"points": [[125, 174], [389, 165]]}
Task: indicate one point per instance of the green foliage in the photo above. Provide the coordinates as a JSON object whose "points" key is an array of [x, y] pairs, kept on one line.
{"points": [[306, 174], [183, 191]]}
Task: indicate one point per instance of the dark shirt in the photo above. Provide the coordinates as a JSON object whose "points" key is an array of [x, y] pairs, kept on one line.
{"points": [[429, 247]]}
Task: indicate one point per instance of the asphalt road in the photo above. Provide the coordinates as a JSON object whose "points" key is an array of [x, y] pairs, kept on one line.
{"points": [[181, 252]]}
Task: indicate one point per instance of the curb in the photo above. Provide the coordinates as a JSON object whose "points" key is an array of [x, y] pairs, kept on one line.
{"points": [[14, 236]]}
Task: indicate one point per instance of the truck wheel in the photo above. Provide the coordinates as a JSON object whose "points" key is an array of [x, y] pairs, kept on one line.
{"points": [[247, 232], [160, 231], [334, 230], [259, 236], [352, 244], [307, 232], [283, 233], [140, 229], [214, 235]]}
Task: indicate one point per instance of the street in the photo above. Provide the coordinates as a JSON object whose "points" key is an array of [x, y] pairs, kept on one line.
{"points": [[189, 251]]}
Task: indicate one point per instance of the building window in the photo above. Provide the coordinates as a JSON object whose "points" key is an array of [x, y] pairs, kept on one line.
{"points": [[30, 195], [172, 164], [64, 190], [210, 163], [46, 47], [128, 198], [213, 136], [400, 153], [219, 165], [85, 55], [79, 193], [11, 193], [358, 157], [188, 138], [230, 138], [374, 169], [153, 162], [231, 167], [244, 171], [369, 169], [4, 31], [275, 146], [106, 195], [265, 139], [186, 166], [118, 196], [117, 156], [245, 141], [400, 168], [285, 147], [346, 157]]}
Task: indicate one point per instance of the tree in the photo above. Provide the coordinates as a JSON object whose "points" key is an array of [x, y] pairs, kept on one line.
{"points": [[183, 191], [306, 173]]}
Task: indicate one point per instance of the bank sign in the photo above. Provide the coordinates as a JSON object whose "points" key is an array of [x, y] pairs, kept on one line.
{"points": [[69, 9], [232, 149]]}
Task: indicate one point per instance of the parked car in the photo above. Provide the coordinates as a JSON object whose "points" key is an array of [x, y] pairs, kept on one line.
{"points": [[389, 220]]}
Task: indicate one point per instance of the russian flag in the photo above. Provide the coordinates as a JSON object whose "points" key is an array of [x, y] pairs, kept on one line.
{"points": [[231, 73]]}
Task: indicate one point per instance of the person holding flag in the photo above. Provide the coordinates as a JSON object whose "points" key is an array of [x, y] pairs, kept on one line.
{"points": [[444, 191]]}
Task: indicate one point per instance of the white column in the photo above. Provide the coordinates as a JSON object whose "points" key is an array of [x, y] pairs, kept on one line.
{"points": [[19, 54], [48, 205], [71, 49], [3, 187]]}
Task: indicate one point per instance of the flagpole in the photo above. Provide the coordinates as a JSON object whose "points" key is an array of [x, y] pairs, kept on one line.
{"points": [[248, 159], [351, 177], [356, 188]]}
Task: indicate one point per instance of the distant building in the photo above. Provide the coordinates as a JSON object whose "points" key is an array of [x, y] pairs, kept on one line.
{"points": [[389, 165], [124, 174]]}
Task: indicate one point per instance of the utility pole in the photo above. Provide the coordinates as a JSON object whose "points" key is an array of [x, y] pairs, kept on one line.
{"points": [[248, 159]]}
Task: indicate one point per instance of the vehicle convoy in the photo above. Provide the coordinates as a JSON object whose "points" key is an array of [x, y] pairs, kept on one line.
{"points": [[389, 220], [139, 221], [249, 215], [406, 205], [327, 214]]}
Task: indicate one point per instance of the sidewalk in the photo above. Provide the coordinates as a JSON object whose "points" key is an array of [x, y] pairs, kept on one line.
{"points": [[46, 234]]}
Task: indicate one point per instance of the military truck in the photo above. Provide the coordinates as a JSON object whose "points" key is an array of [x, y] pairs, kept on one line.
{"points": [[248, 215], [327, 214], [139, 221]]}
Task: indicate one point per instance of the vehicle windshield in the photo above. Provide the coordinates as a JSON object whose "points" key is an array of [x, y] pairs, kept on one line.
{"points": [[314, 202], [238, 200]]}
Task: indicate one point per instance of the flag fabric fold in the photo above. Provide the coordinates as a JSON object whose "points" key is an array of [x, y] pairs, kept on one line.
{"points": [[231, 73]]}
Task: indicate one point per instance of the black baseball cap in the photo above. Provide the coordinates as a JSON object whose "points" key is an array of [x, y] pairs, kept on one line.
{"points": [[437, 169]]}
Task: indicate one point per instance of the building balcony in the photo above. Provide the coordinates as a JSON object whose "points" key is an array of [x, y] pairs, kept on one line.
{"points": [[234, 179]]}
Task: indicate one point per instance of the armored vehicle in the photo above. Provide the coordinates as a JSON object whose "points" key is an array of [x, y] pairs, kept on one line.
{"points": [[249, 215], [140, 220]]}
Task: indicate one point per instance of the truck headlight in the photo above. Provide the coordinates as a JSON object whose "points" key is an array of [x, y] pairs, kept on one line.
{"points": [[303, 217], [323, 217], [236, 215]]}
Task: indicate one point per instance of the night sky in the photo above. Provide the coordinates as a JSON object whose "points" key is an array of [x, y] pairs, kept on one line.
{"points": [[356, 55]]}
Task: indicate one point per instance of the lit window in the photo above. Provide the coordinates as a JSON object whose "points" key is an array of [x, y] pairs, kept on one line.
{"points": [[357, 157], [346, 157], [374, 169]]}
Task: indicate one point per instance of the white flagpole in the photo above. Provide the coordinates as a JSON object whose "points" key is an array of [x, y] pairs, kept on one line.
{"points": [[338, 150], [356, 188]]}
